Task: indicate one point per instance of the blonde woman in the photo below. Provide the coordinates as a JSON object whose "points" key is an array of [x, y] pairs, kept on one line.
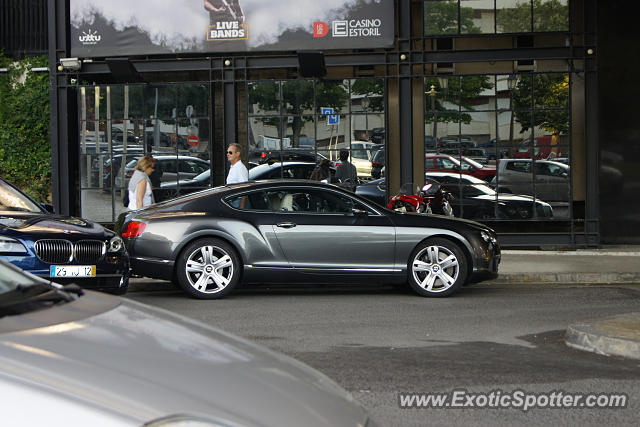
{"points": [[140, 190]]}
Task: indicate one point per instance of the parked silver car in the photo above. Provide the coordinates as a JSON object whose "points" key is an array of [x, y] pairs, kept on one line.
{"points": [[83, 358], [547, 180], [173, 167]]}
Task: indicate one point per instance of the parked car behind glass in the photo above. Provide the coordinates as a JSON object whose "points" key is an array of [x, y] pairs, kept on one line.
{"points": [[551, 181]]}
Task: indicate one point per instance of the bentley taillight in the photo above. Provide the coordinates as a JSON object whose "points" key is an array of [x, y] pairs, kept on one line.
{"points": [[134, 229]]}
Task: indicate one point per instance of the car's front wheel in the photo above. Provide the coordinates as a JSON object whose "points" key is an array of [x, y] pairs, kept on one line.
{"points": [[437, 268], [208, 269]]}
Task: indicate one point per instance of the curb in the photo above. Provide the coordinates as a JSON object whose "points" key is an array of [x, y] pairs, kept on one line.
{"points": [[567, 278], [612, 336]]}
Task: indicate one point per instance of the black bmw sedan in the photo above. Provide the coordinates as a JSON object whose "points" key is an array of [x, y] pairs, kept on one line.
{"points": [[301, 231], [62, 248]]}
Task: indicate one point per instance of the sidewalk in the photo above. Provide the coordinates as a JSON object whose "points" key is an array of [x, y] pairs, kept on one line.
{"points": [[618, 335]]}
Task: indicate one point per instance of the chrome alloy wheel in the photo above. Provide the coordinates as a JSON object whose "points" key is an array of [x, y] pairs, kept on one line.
{"points": [[435, 268], [209, 269]]}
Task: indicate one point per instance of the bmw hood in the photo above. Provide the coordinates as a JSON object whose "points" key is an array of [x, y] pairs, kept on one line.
{"points": [[44, 224], [144, 363]]}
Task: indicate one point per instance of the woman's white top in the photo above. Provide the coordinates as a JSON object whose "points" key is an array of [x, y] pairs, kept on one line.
{"points": [[147, 199]]}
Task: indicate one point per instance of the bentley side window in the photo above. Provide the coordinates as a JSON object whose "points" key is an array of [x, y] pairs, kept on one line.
{"points": [[313, 201], [254, 201]]}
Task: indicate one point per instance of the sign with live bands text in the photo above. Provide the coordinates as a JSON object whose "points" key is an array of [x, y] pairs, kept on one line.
{"points": [[102, 28]]}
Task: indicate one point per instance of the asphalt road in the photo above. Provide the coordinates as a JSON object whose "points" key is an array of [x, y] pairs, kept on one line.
{"points": [[379, 342]]}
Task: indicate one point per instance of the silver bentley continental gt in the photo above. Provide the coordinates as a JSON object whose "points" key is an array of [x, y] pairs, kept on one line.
{"points": [[297, 231]]}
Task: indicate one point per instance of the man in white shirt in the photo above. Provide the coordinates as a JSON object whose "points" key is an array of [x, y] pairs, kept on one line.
{"points": [[238, 171]]}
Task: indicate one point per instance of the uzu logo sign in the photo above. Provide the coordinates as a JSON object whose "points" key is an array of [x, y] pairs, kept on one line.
{"points": [[89, 37]]}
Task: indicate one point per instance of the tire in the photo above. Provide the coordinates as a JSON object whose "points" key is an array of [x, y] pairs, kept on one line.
{"points": [[437, 268], [208, 269], [119, 291]]}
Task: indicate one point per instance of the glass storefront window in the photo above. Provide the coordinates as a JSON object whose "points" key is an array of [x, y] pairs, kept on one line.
{"points": [[297, 97], [513, 16], [440, 17], [453, 17], [264, 97], [550, 15], [318, 119], [500, 143], [140, 120]]}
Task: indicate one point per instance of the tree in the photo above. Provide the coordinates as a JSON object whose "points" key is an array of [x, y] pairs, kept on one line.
{"points": [[25, 151], [550, 102], [461, 91], [548, 15], [441, 17], [295, 98], [373, 89]]}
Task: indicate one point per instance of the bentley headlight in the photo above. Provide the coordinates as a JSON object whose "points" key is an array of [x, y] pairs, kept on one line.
{"points": [[116, 244], [11, 246], [487, 237]]}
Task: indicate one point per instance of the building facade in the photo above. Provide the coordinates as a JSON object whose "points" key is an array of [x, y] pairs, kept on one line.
{"points": [[513, 85]]}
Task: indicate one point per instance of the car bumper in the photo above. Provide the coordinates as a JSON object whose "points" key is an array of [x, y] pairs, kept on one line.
{"points": [[151, 267], [112, 272], [486, 267]]}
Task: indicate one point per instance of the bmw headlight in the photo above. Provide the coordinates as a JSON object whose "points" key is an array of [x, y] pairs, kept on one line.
{"points": [[116, 244], [11, 246]]}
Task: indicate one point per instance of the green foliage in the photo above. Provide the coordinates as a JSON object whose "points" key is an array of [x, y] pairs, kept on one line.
{"points": [[462, 90], [441, 17], [374, 89], [25, 151], [550, 102], [548, 15], [295, 98]]}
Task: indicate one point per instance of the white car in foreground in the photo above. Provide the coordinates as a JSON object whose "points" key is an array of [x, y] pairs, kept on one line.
{"points": [[70, 357]]}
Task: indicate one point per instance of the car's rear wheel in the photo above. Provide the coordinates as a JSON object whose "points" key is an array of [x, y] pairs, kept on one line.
{"points": [[208, 269], [437, 268]]}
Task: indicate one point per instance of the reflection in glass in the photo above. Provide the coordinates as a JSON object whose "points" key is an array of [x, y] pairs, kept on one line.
{"points": [[508, 122], [264, 97], [160, 101], [550, 118], [333, 94], [550, 15], [192, 100], [297, 97], [367, 95], [143, 120], [265, 135], [476, 19], [440, 17], [513, 16], [300, 131]]}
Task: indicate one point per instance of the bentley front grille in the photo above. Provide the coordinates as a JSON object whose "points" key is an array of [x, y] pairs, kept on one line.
{"points": [[59, 251]]}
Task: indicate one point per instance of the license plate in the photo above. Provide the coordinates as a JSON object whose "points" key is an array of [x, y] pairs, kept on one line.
{"points": [[71, 271]]}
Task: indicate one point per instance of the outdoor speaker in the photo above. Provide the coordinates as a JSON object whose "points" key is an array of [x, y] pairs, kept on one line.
{"points": [[311, 64], [122, 70]]}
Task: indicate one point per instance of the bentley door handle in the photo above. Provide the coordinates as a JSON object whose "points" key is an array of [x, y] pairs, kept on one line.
{"points": [[286, 224]]}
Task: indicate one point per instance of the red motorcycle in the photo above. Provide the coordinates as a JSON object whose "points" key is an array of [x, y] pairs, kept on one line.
{"points": [[430, 199]]}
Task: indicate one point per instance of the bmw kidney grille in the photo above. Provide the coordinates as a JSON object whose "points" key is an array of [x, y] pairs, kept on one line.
{"points": [[59, 251]]}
